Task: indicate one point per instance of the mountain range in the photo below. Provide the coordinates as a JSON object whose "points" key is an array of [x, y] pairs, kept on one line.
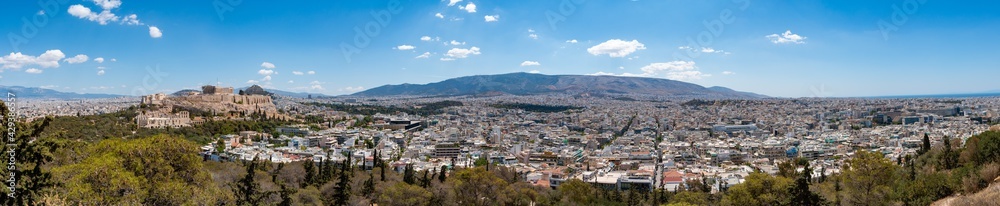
{"points": [[41, 93], [532, 84]]}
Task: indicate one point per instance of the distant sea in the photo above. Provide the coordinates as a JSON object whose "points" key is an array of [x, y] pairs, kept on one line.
{"points": [[989, 94]]}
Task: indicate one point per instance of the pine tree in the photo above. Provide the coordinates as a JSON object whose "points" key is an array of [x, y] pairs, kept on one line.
{"points": [[426, 181], [343, 186], [310, 176], [926, 146], [408, 174], [247, 191], [800, 191], [369, 188], [441, 176]]}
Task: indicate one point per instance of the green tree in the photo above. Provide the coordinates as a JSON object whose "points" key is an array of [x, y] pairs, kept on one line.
{"points": [[800, 191], [310, 169], [759, 189], [926, 146], [409, 175], [405, 194], [476, 186], [867, 179], [576, 192], [690, 198], [441, 176], [343, 185], [247, 190]]}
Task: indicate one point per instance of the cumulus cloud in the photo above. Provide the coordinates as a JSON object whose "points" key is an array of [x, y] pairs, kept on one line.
{"points": [[438, 15], [534, 72], [100, 72], [311, 72], [267, 65], [297, 73], [491, 18], [529, 63], [471, 7], [453, 42], [131, 20], [83, 12], [616, 48], [428, 38], [405, 47], [461, 53], [101, 60], [533, 36], [728, 73], [49, 59], [79, 58], [265, 72], [423, 56], [33, 71], [252, 81], [108, 4], [786, 38], [571, 41], [710, 50], [453, 2], [155, 32], [353, 89], [676, 70]]}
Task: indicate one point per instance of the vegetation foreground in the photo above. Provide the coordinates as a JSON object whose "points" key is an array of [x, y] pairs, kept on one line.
{"points": [[97, 160]]}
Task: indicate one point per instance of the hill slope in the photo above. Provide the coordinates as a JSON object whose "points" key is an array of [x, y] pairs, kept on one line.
{"points": [[528, 84]]}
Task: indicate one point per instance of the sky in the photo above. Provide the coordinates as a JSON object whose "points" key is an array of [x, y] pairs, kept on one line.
{"points": [[807, 48]]}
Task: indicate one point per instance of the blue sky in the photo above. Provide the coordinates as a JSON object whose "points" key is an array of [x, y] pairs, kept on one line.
{"points": [[778, 48]]}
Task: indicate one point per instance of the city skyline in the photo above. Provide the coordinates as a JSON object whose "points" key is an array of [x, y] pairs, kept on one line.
{"points": [[794, 49]]}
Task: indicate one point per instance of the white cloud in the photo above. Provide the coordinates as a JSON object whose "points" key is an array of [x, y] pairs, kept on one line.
{"points": [[108, 4], [83, 12], [266, 78], [571, 41], [131, 20], [453, 2], [155, 32], [533, 36], [267, 65], [252, 81], [728, 73], [425, 38], [405, 47], [438, 15], [602, 74], [453, 42], [616, 48], [471, 8], [49, 59], [265, 72], [534, 72], [529, 63], [786, 38], [423, 56], [100, 72], [491, 18], [311, 72], [445, 59], [462, 53], [353, 89], [675, 70], [114, 60], [101, 60], [709, 50], [40, 12], [33, 71], [79, 58], [297, 73], [531, 31]]}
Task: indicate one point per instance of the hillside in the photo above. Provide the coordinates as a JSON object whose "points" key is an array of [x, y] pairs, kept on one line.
{"points": [[530, 84]]}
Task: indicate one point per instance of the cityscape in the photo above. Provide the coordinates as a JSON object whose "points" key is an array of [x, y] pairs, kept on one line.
{"points": [[113, 102]]}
